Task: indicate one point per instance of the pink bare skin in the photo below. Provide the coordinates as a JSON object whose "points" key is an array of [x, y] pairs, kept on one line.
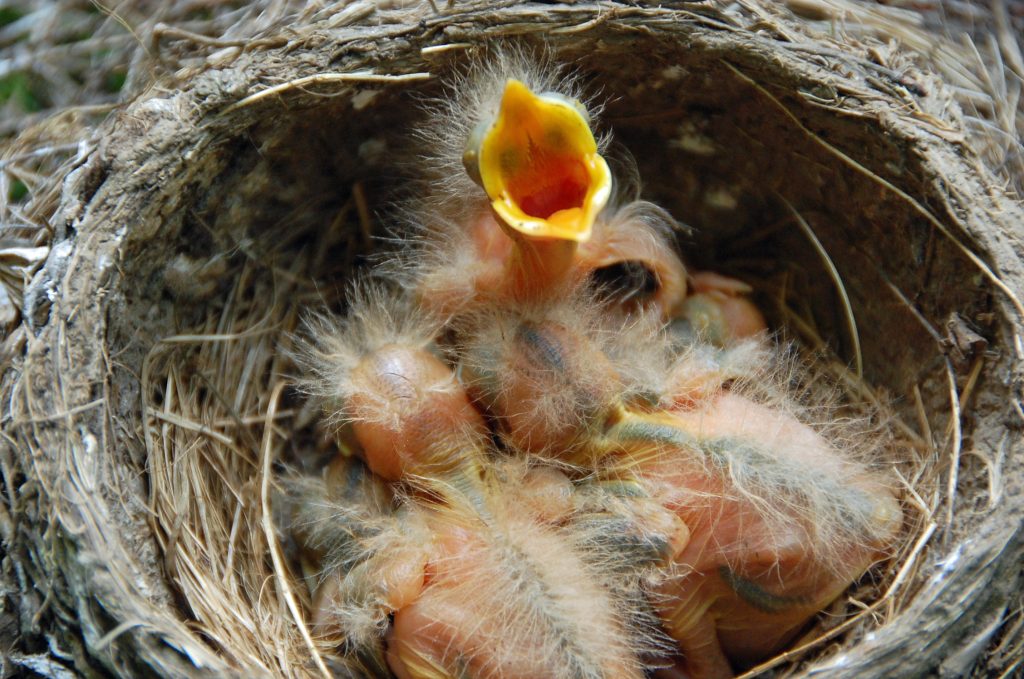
{"points": [[485, 585], [546, 493], [746, 583], [507, 266], [410, 415], [761, 494], [400, 578], [701, 374], [509, 602], [616, 242], [547, 359], [496, 268], [719, 309], [476, 274]]}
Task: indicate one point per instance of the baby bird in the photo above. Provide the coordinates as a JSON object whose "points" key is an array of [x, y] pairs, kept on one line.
{"points": [[547, 386], [476, 586], [511, 595], [719, 311], [379, 370], [537, 221], [655, 465], [360, 552], [778, 520], [627, 259], [780, 524], [547, 220]]}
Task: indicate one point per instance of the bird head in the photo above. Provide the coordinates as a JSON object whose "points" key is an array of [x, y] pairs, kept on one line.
{"points": [[539, 164]]}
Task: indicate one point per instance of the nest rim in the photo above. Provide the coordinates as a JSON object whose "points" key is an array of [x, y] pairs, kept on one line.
{"points": [[92, 217]]}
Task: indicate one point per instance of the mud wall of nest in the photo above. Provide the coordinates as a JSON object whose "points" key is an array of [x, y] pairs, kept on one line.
{"points": [[148, 400]]}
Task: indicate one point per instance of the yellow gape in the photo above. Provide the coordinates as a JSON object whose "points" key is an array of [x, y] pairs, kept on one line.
{"points": [[538, 163]]}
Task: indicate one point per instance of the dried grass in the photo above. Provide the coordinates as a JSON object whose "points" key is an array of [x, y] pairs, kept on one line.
{"points": [[213, 431], [216, 420]]}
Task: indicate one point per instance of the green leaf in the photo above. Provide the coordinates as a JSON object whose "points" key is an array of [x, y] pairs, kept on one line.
{"points": [[115, 81], [17, 192], [8, 15], [18, 87]]}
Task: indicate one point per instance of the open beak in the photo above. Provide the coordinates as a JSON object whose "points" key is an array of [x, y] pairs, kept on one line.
{"points": [[538, 163]]}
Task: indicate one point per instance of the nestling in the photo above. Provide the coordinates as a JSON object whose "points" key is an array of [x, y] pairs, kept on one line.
{"points": [[576, 458]]}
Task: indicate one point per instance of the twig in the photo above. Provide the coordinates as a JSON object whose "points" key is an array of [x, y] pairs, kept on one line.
{"points": [[994, 469], [323, 78], [162, 29], [268, 530], [184, 423], [601, 18], [922, 418], [954, 452], [363, 209], [109, 637], [851, 320], [59, 416], [803, 648], [910, 200], [438, 49], [112, 13], [908, 563], [925, 323], [1007, 41]]}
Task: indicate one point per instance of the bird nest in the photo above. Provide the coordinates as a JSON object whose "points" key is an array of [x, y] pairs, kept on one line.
{"points": [[149, 392]]}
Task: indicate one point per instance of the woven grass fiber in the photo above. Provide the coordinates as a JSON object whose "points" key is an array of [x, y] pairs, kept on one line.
{"points": [[180, 181]]}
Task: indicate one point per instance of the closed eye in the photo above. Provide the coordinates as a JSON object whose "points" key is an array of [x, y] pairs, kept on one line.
{"points": [[625, 281]]}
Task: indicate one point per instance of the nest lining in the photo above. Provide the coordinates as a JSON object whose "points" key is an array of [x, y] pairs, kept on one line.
{"points": [[259, 202]]}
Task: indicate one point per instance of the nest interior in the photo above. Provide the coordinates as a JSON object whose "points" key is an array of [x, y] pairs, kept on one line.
{"points": [[153, 399]]}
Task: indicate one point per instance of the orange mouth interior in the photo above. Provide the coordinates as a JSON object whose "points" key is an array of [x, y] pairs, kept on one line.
{"points": [[540, 167], [550, 185]]}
